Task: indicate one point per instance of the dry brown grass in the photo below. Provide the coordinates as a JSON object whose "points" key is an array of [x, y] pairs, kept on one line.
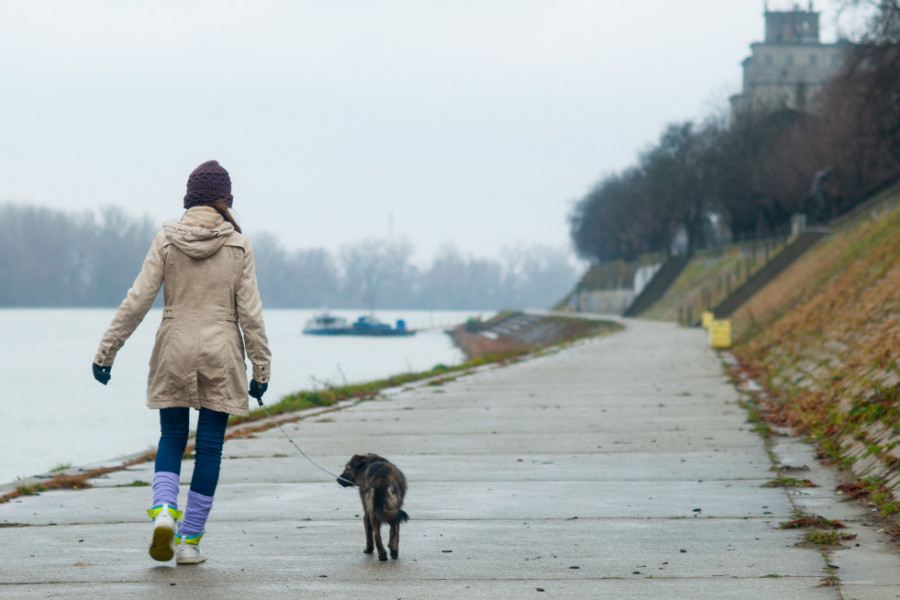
{"points": [[824, 338], [71, 481]]}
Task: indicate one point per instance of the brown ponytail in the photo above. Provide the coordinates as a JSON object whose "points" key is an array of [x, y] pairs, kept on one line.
{"points": [[221, 206]]}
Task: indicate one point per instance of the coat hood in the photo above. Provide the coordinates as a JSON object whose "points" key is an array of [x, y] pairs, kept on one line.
{"points": [[200, 233]]}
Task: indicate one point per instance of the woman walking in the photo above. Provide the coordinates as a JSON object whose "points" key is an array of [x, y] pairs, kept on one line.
{"points": [[206, 268]]}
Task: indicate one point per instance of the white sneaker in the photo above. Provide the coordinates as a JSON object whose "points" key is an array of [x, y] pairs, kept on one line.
{"points": [[162, 545], [188, 551]]}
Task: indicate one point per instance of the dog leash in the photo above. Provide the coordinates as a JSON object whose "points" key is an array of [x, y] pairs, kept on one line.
{"points": [[311, 461]]}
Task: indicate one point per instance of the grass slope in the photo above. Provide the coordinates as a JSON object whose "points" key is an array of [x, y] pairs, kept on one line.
{"points": [[709, 278], [824, 341]]}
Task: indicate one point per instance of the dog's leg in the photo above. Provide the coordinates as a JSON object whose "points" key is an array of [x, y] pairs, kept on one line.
{"points": [[394, 541], [376, 531], [370, 546]]}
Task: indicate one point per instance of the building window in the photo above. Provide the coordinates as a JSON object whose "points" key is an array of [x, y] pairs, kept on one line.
{"points": [[767, 59], [789, 60], [813, 60]]}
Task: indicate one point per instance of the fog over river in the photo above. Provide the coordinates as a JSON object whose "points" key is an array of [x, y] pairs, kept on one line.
{"points": [[53, 412]]}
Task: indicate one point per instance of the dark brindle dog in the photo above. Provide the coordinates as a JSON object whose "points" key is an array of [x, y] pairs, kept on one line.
{"points": [[381, 487]]}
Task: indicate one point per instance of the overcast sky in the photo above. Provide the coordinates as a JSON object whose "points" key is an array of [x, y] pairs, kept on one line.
{"points": [[472, 122]]}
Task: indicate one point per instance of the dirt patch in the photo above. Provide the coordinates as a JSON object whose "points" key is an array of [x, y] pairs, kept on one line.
{"points": [[514, 333]]}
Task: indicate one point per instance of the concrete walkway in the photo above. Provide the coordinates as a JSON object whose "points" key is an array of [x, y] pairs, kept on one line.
{"points": [[621, 468]]}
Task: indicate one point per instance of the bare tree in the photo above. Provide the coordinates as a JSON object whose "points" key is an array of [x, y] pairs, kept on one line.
{"points": [[538, 275], [375, 267], [455, 281]]}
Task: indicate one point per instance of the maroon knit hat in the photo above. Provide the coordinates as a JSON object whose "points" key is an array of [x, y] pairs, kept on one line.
{"points": [[208, 183]]}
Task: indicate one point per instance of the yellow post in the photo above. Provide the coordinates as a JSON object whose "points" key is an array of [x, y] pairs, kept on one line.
{"points": [[706, 318], [720, 333]]}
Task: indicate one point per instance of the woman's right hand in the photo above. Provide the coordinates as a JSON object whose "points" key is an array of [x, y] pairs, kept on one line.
{"points": [[257, 389]]}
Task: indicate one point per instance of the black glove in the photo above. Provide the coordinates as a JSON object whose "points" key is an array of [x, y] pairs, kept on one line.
{"points": [[101, 374], [257, 390]]}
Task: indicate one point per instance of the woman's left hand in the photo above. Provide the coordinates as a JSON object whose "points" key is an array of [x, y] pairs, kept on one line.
{"points": [[101, 374]]}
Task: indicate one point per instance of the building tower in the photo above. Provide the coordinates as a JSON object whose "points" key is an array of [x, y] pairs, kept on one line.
{"points": [[789, 68]]}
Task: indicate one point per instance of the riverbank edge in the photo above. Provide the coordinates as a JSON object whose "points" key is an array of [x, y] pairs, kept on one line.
{"points": [[520, 332], [514, 349]]}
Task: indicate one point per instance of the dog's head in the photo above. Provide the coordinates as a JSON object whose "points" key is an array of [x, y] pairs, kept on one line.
{"points": [[355, 468]]}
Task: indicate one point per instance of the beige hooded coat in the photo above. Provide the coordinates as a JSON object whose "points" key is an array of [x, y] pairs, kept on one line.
{"points": [[211, 297]]}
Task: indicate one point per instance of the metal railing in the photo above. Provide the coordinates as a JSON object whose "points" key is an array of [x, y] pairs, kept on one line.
{"points": [[752, 257]]}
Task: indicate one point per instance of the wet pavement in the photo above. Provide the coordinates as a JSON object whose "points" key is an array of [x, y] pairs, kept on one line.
{"points": [[620, 467]]}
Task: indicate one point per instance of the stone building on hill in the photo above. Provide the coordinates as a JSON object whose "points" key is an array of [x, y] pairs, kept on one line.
{"points": [[788, 69]]}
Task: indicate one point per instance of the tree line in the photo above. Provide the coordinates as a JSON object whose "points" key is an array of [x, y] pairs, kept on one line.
{"points": [[50, 258], [711, 181]]}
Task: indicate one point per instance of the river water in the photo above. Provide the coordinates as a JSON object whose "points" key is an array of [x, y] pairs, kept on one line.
{"points": [[53, 413]]}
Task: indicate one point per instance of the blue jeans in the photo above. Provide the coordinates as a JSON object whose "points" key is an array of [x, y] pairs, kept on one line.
{"points": [[174, 426]]}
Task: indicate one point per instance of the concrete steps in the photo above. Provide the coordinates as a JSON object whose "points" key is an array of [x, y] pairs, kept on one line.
{"points": [[770, 271], [658, 286]]}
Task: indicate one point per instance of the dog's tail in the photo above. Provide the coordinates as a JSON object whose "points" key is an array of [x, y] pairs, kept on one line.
{"points": [[388, 502], [395, 517]]}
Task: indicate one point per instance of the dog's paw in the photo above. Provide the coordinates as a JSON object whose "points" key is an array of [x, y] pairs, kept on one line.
{"points": [[394, 554], [382, 557], [369, 550]]}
